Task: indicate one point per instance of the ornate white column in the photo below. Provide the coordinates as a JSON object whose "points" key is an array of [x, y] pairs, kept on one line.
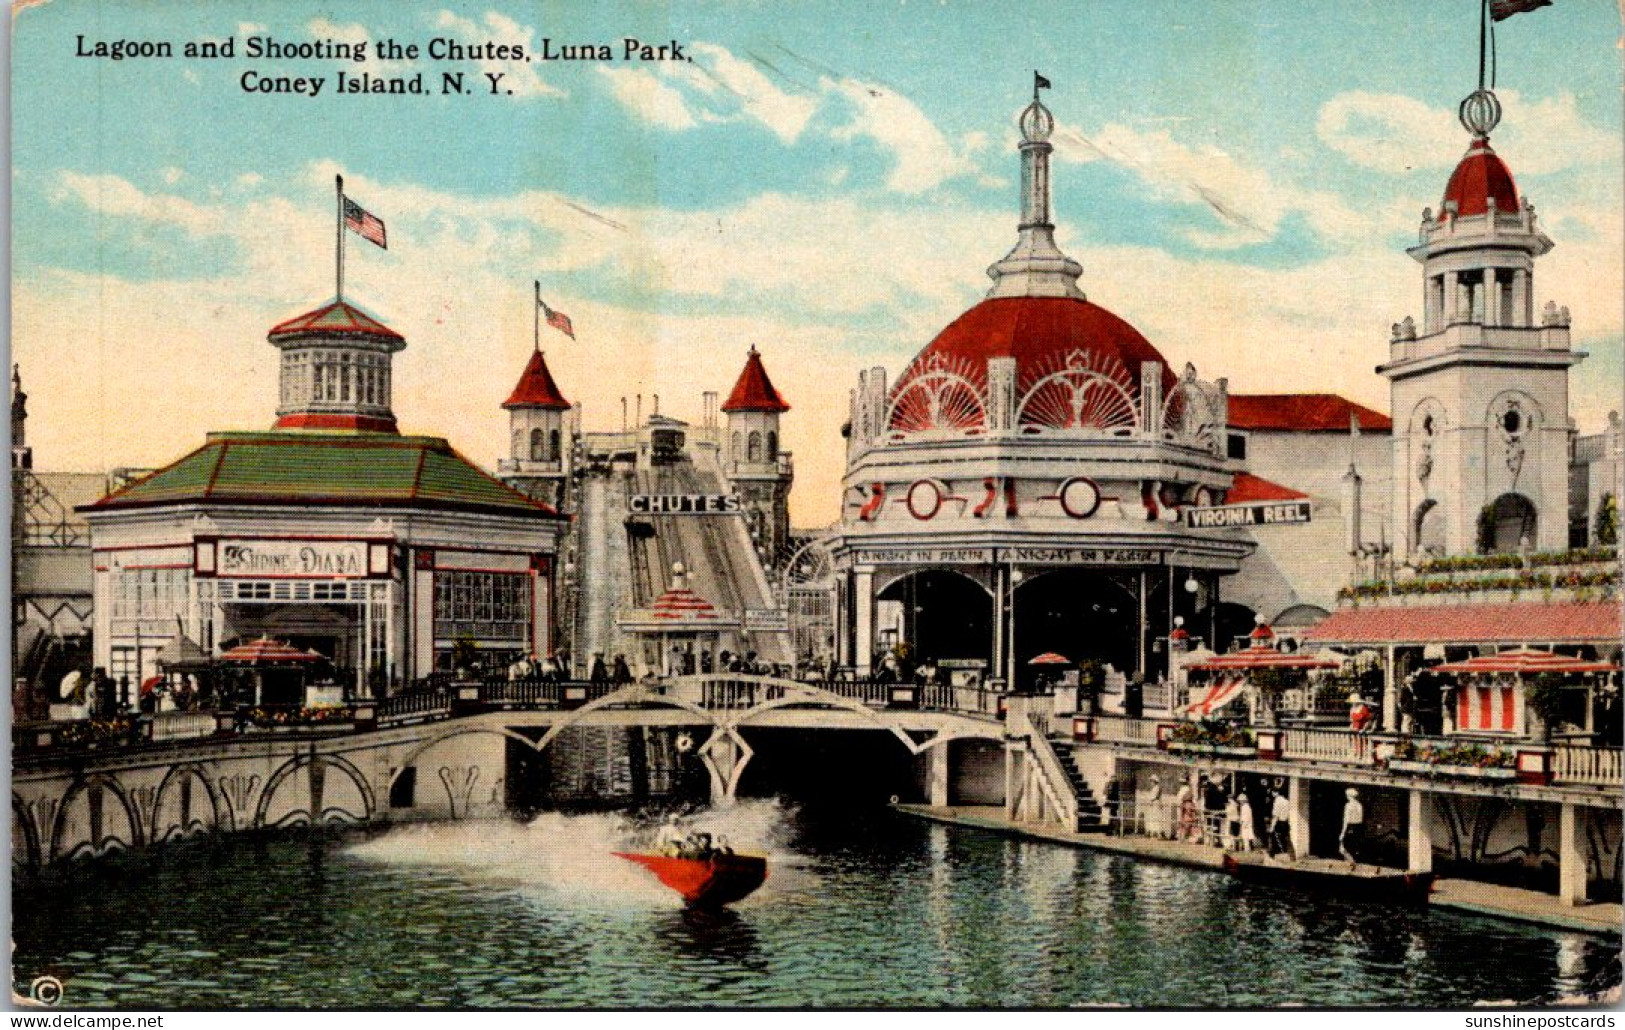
{"points": [[863, 604], [1419, 852]]}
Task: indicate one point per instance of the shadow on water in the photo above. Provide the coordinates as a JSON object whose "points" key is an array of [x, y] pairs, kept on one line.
{"points": [[721, 936]]}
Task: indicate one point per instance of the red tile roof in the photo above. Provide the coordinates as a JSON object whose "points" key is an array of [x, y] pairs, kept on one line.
{"points": [[1480, 175], [1534, 623], [754, 390], [536, 388], [1311, 412], [339, 318], [1251, 489]]}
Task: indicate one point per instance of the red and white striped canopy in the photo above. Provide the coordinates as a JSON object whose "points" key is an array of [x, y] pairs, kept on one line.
{"points": [[1050, 658], [1263, 658], [1215, 696], [1525, 660], [266, 651], [682, 605]]}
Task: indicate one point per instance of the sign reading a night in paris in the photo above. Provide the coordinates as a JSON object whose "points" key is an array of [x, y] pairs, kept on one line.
{"points": [[683, 504], [1279, 513]]}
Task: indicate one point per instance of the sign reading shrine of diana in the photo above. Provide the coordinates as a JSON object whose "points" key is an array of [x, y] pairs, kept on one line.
{"points": [[280, 558]]}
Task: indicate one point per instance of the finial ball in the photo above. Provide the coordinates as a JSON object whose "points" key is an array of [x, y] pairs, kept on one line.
{"points": [[1480, 113], [1036, 123]]}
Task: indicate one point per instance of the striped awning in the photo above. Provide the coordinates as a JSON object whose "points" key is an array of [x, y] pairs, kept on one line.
{"points": [[1525, 660], [1050, 658], [1215, 696], [1263, 658], [266, 651]]}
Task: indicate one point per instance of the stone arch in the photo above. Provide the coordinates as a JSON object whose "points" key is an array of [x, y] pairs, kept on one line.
{"points": [[424, 746], [98, 842], [1428, 528], [25, 836], [316, 812], [619, 697], [1514, 519], [180, 777], [1428, 407], [1533, 415], [942, 617]]}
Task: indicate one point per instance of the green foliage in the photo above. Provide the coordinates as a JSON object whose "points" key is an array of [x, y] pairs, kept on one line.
{"points": [[1091, 676], [464, 654], [1608, 520], [1545, 696], [1471, 756], [1213, 733], [1486, 529], [1274, 680]]}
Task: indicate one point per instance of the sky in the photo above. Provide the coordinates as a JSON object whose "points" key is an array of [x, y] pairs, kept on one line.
{"points": [[825, 181]]}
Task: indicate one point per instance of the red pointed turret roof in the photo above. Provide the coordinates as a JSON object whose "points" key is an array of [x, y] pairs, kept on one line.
{"points": [[536, 388], [1480, 175], [754, 390], [336, 318]]}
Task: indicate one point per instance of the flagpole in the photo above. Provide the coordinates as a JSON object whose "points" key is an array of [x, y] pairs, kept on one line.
{"points": [[1483, 23], [338, 185], [536, 319]]}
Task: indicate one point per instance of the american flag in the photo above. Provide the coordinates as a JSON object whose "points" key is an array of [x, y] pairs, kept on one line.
{"points": [[363, 223], [557, 319]]}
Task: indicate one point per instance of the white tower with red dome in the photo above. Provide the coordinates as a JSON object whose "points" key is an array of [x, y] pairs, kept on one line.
{"points": [[1480, 388], [541, 450], [758, 470], [1019, 488]]}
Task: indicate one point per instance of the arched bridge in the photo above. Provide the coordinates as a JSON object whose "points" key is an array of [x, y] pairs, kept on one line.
{"points": [[432, 754]]}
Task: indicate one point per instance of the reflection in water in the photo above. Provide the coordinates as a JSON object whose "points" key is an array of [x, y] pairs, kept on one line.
{"points": [[861, 908]]}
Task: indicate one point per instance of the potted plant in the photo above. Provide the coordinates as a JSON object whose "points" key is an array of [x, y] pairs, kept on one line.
{"points": [[463, 656], [1091, 680], [1271, 683], [1544, 695]]}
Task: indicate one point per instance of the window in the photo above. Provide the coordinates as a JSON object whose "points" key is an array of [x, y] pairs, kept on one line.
{"points": [[738, 447], [482, 605], [772, 446], [536, 445], [152, 594], [553, 445], [753, 449], [1236, 447]]}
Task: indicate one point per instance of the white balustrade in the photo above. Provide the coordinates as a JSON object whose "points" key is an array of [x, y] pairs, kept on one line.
{"points": [[1600, 766]]}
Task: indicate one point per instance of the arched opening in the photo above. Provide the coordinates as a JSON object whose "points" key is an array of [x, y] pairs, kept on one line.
{"points": [[1233, 623], [940, 614], [1079, 613], [772, 446], [553, 445], [1427, 529], [753, 449], [738, 449], [536, 444], [1514, 522]]}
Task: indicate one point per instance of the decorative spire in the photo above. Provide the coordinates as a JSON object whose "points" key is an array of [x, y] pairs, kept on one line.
{"points": [[1036, 267]]}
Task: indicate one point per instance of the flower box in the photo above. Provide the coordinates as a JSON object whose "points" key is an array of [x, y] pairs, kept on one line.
{"points": [[1216, 750], [1466, 772]]}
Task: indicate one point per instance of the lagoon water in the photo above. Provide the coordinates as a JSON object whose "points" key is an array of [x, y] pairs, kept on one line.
{"points": [[866, 909]]}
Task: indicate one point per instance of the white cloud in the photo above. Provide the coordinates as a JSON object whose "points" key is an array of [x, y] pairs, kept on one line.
{"points": [[521, 77], [784, 114], [171, 175], [641, 92], [1394, 133], [719, 86], [1248, 202], [248, 180], [249, 28]]}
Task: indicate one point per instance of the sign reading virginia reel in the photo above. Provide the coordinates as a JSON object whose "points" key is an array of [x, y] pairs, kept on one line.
{"points": [[1279, 513], [683, 504]]}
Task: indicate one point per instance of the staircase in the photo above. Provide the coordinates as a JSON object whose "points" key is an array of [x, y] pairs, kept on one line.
{"points": [[1091, 816]]}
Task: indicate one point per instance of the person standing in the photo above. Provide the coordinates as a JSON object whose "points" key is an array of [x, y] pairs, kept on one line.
{"points": [[1232, 824], [1156, 816], [1352, 837], [1244, 812], [1280, 841], [1186, 806]]}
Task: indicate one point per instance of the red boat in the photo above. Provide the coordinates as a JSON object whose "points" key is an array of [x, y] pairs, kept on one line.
{"points": [[718, 879]]}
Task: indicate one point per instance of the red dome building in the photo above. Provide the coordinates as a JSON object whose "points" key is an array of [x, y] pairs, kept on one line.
{"points": [[1019, 488]]}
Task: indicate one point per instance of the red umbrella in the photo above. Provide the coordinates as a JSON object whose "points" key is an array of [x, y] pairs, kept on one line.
{"points": [[1051, 658], [150, 684], [1526, 660], [266, 651]]}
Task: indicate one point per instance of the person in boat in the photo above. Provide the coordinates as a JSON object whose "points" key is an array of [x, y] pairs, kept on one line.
{"points": [[1352, 837]]}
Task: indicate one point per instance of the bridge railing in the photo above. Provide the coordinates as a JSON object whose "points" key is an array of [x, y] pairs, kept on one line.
{"points": [[1598, 766], [416, 703]]}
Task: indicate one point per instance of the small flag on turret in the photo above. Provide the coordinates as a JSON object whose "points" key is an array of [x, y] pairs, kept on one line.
{"points": [[363, 223], [557, 319], [1039, 82], [1501, 10]]}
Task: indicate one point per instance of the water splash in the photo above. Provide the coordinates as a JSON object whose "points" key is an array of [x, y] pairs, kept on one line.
{"points": [[561, 857]]}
